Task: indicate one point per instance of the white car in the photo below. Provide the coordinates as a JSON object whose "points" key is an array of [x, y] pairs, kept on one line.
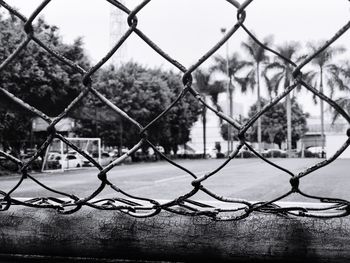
{"points": [[274, 153], [210, 153], [69, 161], [317, 151]]}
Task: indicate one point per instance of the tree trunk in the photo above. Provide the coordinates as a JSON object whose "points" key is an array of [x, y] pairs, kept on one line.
{"points": [[322, 114], [289, 113], [279, 145], [289, 123], [258, 106], [121, 129], [231, 116], [204, 116], [229, 94], [272, 136], [175, 148]]}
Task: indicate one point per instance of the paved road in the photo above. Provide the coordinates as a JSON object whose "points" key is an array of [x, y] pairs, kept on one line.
{"points": [[251, 179]]}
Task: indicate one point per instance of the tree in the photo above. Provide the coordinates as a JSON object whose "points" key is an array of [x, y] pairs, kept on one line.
{"points": [[224, 132], [258, 56], [273, 123], [342, 77], [233, 67], [14, 127], [325, 71], [38, 77], [203, 82], [142, 94], [95, 119], [35, 76], [137, 92], [282, 73], [182, 116]]}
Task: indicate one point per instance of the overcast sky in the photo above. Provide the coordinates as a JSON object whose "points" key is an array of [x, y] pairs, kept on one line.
{"points": [[186, 29]]}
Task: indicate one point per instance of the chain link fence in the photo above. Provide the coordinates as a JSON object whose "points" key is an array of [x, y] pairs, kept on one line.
{"points": [[137, 206]]}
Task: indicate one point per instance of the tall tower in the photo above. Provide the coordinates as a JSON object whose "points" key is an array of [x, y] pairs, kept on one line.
{"points": [[117, 27]]}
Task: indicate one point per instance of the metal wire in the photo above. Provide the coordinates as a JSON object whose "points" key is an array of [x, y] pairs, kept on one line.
{"points": [[145, 207]]}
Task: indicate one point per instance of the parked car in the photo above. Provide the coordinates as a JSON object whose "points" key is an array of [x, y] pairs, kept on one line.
{"points": [[140, 156], [220, 155], [115, 152], [105, 160], [35, 165], [185, 153], [312, 152], [69, 161], [317, 151], [245, 154], [160, 149], [274, 153], [209, 153], [78, 155], [308, 154], [115, 155], [53, 159]]}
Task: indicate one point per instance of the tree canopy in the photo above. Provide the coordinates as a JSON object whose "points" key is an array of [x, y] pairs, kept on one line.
{"points": [[35, 76], [142, 94], [343, 77], [274, 124]]}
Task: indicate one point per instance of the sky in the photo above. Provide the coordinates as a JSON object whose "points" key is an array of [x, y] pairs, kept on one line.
{"points": [[186, 29]]}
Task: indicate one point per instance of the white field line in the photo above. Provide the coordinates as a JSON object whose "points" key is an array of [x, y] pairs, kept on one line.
{"points": [[172, 178]]}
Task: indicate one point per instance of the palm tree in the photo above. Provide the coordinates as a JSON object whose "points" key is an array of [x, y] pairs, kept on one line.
{"points": [[205, 85], [282, 72], [343, 78], [259, 57], [232, 67], [324, 71]]}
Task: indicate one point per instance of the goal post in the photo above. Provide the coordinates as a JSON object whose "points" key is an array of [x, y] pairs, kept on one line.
{"points": [[60, 157]]}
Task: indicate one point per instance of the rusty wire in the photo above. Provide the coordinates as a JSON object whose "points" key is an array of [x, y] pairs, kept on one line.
{"points": [[144, 207]]}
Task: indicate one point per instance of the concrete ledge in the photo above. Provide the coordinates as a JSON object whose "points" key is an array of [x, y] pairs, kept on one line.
{"points": [[91, 233]]}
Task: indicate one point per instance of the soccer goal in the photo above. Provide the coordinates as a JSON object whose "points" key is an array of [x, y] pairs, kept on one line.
{"points": [[60, 157]]}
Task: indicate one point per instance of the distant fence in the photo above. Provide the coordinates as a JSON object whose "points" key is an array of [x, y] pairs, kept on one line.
{"points": [[184, 205]]}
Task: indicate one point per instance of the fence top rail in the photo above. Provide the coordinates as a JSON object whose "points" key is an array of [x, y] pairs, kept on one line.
{"points": [[105, 236]]}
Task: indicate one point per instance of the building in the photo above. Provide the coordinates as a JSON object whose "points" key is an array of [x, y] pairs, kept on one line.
{"points": [[335, 135], [64, 127], [213, 126]]}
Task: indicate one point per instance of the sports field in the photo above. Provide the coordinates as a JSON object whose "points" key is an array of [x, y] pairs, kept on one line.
{"points": [[251, 179]]}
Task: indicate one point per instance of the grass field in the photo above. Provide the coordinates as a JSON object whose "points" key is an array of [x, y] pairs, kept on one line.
{"points": [[251, 179]]}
